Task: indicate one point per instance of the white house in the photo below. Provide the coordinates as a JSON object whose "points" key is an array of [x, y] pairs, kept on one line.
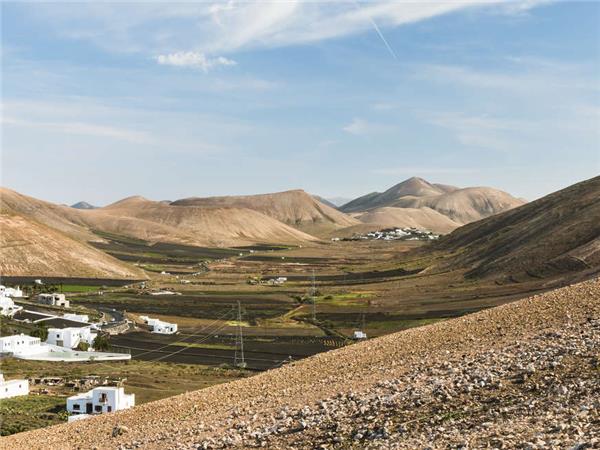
{"points": [[20, 344], [99, 400], [359, 335], [53, 300], [70, 337], [10, 292], [13, 388], [158, 326], [8, 307]]}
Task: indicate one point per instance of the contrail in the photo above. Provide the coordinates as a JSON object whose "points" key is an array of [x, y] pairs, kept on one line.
{"points": [[387, 45], [383, 39]]}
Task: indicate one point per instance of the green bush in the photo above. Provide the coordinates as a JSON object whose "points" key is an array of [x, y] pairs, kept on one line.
{"points": [[101, 343]]}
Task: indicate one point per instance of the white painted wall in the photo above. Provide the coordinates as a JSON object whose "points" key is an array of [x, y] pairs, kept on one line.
{"points": [[100, 400], [20, 344], [70, 337], [13, 388]]}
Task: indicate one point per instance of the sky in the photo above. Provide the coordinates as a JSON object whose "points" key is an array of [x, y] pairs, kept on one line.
{"points": [[103, 100]]}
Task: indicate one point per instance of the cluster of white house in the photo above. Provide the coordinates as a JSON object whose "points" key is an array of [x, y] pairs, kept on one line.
{"points": [[8, 307], [158, 326], [59, 346]]}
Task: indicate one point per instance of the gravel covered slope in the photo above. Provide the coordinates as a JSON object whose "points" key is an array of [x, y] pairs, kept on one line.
{"points": [[523, 375]]}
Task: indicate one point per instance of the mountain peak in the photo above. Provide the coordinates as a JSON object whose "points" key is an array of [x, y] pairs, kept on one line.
{"points": [[83, 205]]}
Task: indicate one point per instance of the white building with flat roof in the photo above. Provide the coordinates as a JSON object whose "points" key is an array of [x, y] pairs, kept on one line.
{"points": [[158, 326], [53, 299], [13, 388], [21, 344], [99, 400], [10, 292], [70, 337]]}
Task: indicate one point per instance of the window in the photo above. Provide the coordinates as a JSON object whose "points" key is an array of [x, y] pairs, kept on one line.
{"points": [[98, 408], [76, 406]]}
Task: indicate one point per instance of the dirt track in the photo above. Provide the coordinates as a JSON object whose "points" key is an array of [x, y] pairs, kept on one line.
{"points": [[540, 354]]}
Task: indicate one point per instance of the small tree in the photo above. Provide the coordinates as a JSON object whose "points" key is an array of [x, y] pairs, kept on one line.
{"points": [[101, 343], [41, 332], [83, 346]]}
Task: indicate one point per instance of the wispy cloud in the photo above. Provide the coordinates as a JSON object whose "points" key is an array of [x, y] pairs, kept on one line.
{"points": [[362, 127], [193, 59], [81, 128], [532, 76], [224, 28]]}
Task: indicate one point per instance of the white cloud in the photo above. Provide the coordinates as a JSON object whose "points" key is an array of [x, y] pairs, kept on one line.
{"points": [[217, 28], [194, 59], [361, 127]]}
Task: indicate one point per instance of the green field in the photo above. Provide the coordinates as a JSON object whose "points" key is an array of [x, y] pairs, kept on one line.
{"points": [[30, 412]]}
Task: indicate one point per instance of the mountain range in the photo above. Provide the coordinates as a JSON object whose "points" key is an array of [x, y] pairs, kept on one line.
{"points": [[504, 235]]}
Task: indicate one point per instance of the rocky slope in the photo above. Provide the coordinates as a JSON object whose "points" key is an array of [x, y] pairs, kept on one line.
{"points": [[522, 375], [295, 208], [556, 234]]}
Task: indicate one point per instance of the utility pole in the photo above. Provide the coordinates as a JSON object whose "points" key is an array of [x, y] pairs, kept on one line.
{"points": [[239, 362], [312, 294]]}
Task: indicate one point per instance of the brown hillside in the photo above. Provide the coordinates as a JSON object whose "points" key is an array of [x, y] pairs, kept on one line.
{"points": [[468, 382], [208, 225], [557, 233], [295, 208], [465, 205], [152, 221], [54, 216], [29, 248]]}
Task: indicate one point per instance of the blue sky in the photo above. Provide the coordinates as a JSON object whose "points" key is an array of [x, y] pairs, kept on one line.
{"points": [[104, 100]]}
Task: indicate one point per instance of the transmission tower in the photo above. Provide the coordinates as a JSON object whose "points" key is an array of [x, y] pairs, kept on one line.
{"points": [[239, 360]]}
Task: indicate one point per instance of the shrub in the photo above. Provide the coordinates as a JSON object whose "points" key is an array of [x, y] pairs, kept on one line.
{"points": [[101, 343]]}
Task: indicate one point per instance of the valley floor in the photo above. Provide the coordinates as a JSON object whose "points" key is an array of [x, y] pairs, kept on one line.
{"points": [[522, 375]]}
